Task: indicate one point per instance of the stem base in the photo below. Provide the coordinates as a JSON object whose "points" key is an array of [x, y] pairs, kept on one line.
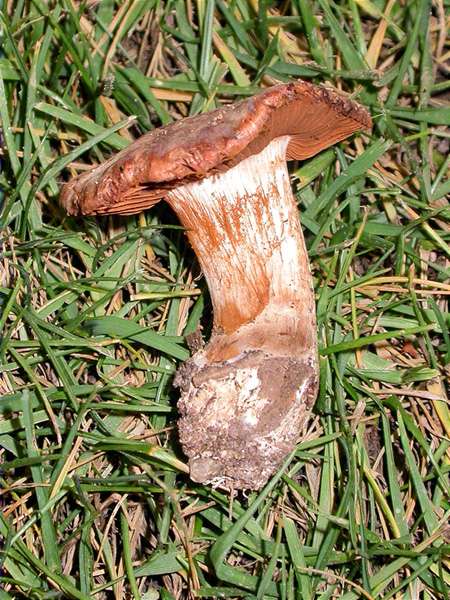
{"points": [[240, 417]]}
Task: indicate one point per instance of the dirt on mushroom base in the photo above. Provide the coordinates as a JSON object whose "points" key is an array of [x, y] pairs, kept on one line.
{"points": [[240, 418]]}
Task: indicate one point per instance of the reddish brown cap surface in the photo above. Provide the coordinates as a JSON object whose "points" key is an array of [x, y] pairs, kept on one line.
{"points": [[136, 178]]}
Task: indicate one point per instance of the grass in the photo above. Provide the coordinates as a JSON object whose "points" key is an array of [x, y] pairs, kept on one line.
{"points": [[94, 495]]}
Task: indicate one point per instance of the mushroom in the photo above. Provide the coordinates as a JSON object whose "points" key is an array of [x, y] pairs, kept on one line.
{"points": [[245, 396]]}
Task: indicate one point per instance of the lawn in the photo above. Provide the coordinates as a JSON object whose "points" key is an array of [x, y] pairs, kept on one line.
{"points": [[95, 497]]}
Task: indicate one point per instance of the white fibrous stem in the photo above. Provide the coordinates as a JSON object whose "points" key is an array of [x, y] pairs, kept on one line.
{"points": [[247, 394]]}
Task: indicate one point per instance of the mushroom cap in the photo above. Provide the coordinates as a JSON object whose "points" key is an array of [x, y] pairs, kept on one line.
{"points": [[190, 149]]}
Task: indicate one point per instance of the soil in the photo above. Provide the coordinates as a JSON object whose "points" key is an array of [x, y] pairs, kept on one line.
{"points": [[240, 418]]}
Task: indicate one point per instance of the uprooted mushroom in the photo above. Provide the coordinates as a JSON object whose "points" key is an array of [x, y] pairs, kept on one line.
{"points": [[245, 396]]}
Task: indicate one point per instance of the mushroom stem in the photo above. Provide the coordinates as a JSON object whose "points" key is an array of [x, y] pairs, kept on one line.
{"points": [[246, 395]]}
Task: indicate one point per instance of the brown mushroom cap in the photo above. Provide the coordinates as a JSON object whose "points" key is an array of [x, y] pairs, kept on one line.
{"points": [[313, 116]]}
